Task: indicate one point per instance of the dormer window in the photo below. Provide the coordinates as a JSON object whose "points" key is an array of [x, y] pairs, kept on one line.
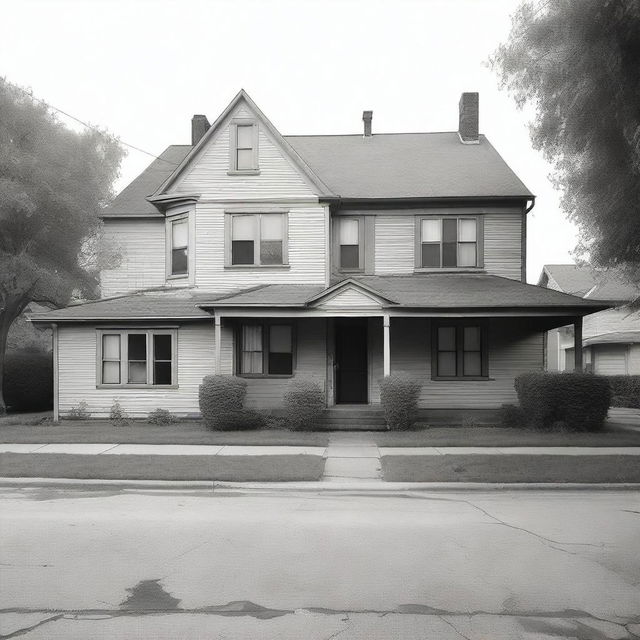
{"points": [[243, 147], [179, 247], [448, 243]]}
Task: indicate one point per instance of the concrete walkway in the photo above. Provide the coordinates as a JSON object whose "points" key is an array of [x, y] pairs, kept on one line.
{"points": [[352, 456]]}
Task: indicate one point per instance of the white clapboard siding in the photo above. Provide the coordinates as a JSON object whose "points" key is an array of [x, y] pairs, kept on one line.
{"points": [[511, 352], [77, 374], [394, 244], [307, 251], [141, 245], [610, 359], [208, 175], [609, 321], [503, 245], [350, 298], [633, 362], [310, 364]]}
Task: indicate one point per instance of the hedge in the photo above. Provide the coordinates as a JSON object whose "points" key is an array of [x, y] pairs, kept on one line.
{"points": [[28, 380], [563, 401], [625, 390], [304, 403], [221, 404], [399, 393]]}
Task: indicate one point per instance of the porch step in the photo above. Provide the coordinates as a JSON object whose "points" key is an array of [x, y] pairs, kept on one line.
{"points": [[350, 419]]}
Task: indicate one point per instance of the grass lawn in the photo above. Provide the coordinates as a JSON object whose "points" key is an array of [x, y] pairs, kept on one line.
{"points": [[267, 468], [511, 468], [501, 437], [187, 432]]}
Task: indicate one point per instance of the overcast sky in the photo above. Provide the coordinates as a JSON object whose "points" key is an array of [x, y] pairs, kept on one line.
{"points": [[142, 68]]}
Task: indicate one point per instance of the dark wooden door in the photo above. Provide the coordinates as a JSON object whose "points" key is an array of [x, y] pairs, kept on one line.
{"points": [[351, 362]]}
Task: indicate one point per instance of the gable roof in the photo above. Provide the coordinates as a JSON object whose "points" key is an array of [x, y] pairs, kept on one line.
{"points": [[409, 165], [587, 282], [381, 166]]}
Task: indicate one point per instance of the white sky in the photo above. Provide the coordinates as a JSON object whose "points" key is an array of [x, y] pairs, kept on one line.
{"points": [[142, 68]]}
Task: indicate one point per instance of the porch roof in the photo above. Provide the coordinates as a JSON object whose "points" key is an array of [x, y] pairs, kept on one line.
{"points": [[615, 337]]}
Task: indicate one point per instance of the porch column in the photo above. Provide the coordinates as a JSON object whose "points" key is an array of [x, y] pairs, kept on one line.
{"points": [[56, 384], [218, 339], [577, 343], [386, 329]]}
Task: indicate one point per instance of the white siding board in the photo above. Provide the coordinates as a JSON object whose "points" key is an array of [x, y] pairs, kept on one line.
{"points": [[77, 374], [610, 359], [350, 299], [141, 243], [394, 244], [503, 245], [307, 251]]}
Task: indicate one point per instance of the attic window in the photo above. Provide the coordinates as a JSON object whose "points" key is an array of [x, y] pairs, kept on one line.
{"points": [[243, 147]]}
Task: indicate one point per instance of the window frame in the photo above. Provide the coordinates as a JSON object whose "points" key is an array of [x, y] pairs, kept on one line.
{"points": [[479, 220], [229, 216], [459, 326], [233, 147], [124, 357], [266, 336], [361, 245], [180, 214]]}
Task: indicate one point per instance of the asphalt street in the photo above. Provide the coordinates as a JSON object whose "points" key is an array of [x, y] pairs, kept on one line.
{"points": [[78, 563]]}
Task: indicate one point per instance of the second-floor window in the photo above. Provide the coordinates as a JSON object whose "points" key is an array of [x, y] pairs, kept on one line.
{"points": [[258, 239], [448, 242], [350, 244], [179, 247]]}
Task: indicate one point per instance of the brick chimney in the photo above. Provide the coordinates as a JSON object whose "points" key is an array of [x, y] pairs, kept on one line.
{"points": [[367, 117], [469, 115], [199, 126]]}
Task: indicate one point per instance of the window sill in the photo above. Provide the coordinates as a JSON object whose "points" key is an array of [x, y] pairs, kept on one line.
{"points": [[261, 376], [243, 172], [462, 378], [257, 266], [136, 386], [350, 270], [178, 276], [449, 270]]}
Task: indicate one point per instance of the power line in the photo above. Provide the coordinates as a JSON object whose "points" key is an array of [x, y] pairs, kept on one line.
{"points": [[87, 125]]}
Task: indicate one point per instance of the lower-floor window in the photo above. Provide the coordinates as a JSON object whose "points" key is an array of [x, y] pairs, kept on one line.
{"points": [[137, 357], [459, 351], [265, 349]]}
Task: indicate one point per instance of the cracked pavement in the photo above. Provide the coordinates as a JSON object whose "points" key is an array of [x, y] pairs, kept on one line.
{"points": [[77, 563]]}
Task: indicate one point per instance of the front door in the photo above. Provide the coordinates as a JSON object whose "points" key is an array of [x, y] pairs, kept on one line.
{"points": [[351, 361]]}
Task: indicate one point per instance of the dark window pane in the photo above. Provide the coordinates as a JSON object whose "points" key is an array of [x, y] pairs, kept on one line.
{"points": [[281, 363], [271, 252], [449, 254], [472, 364], [472, 338], [179, 261], [446, 338], [242, 252], [349, 256], [280, 338], [431, 255], [446, 363], [137, 346], [450, 230], [162, 373], [162, 347]]}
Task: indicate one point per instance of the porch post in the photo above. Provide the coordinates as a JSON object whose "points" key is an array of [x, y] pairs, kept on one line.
{"points": [[577, 343], [56, 394], [218, 339], [386, 328]]}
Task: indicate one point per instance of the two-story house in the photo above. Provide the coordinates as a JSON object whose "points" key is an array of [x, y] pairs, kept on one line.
{"points": [[339, 258]]}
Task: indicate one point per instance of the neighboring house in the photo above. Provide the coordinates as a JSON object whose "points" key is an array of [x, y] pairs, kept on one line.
{"points": [[610, 338], [336, 258]]}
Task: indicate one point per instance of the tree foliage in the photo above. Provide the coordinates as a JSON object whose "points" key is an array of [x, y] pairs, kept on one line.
{"points": [[578, 65], [53, 184]]}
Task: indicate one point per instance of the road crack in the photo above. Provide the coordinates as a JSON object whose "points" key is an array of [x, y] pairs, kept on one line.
{"points": [[21, 632]]}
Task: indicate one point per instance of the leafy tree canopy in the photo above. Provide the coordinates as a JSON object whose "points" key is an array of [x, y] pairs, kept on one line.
{"points": [[53, 184], [578, 65]]}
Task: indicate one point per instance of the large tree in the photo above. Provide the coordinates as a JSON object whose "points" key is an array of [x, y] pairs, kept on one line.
{"points": [[578, 65], [53, 184]]}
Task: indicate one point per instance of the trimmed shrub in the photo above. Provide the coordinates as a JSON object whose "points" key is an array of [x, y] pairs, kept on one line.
{"points": [[511, 416], [221, 401], [118, 416], [304, 403], [79, 412], [28, 380], [161, 416], [563, 401], [626, 391], [399, 395]]}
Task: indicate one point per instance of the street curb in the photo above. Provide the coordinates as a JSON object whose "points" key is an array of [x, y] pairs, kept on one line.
{"points": [[311, 486]]}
